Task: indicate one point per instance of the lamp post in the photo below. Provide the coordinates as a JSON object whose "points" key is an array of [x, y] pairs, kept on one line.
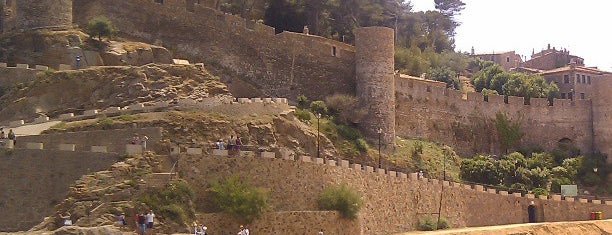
{"points": [[318, 115], [379, 159], [78, 61]]}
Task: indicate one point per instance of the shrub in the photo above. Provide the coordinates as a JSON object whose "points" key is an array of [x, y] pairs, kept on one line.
{"points": [[302, 115], [540, 191], [126, 118], [348, 132], [173, 202], [105, 123], [557, 182], [427, 224], [318, 107], [341, 198], [361, 145], [443, 223], [239, 199], [344, 108], [302, 101], [591, 179]]}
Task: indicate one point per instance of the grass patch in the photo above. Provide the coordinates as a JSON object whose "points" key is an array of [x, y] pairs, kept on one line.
{"points": [[426, 156], [239, 199], [59, 126], [126, 118]]}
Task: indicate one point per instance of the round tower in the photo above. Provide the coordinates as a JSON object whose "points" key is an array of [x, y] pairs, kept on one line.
{"points": [[36, 14], [375, 80]]}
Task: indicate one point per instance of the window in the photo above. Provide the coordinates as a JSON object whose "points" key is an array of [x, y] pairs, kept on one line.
{"points": [[582, 96], [589, 80], [507, 59], [577, 79], [566, 78], [428, 88], [583, 78], [334, 51], [562, 95]]}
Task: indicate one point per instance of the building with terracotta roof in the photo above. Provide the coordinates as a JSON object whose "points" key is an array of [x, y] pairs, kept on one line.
{"points": [[575, 81]]}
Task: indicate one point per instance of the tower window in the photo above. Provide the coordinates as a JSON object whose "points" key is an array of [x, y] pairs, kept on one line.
{"points": [[566, 78]]}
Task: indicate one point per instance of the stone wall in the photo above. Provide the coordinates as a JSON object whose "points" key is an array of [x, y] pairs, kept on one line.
{"points": [[287, 222], [35, 14], [435, 113], [257, 62], [393, 202], [602, 116], [114, 140], [11, 76], [34, 181]]}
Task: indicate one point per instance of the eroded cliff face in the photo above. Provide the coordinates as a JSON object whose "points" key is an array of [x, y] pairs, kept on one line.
{"points": [[100, 87]]}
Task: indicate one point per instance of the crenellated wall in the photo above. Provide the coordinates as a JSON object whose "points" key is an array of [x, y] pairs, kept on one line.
{"points": [[393, 201], [430, 111], [282, 65]]}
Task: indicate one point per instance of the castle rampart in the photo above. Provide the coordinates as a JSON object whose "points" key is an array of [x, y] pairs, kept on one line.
{"points": [[430, 112], [393, 201]]}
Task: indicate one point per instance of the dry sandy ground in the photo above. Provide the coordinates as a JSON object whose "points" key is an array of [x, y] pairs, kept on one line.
{"points": [[556, 228]]}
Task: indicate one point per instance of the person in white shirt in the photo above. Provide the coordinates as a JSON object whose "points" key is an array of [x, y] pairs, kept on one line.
{"points": [[149, 220]]}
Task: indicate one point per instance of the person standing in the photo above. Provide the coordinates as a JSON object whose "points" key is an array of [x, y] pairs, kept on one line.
{"points": [[321, 232], [531, 211], [143, 141], [150, 216], [231, 143], [142, 223], [11, 136], [241, 232]]}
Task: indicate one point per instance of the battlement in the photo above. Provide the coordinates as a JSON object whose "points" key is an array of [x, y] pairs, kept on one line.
{"points": [[436, 91]]}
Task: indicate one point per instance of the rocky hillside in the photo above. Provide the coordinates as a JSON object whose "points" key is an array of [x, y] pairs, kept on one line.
{"points": [[100, 87]]}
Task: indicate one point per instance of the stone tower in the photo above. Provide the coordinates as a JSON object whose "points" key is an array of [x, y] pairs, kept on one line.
{"points": [[36, 14], [374, 61]]}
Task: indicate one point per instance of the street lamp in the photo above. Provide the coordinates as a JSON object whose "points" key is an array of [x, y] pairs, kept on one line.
{"points": [[78, 61], [318, 115], [379, 159]]}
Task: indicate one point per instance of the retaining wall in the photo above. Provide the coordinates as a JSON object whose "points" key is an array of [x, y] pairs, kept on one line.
{"points": [[32, 182], [393, 201]]}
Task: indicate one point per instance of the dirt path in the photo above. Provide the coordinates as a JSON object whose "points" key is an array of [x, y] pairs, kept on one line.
{"points": [[554, 228]]}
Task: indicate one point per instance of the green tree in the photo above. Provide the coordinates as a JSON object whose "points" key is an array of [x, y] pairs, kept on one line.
{"points": [[446, 75], [509, 133], [239, 199], [100, 27], [318, 107], [345, 109], [482, 169]]}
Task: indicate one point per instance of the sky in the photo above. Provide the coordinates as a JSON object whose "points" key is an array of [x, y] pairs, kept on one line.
{"points": [[582, 27]]}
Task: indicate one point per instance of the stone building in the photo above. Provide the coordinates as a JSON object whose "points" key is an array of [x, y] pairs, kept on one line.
{"points": [[35, 14], [508, 60], [551, 59], [574, 81]]}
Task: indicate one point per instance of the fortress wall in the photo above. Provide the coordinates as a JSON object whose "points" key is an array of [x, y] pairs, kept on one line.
{"points": [[399, 201], [34, 181], [263, 64], [115, 140], [468, 124], [602, 116]]}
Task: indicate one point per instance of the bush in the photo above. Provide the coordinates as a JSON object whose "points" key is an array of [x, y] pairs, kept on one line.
{"points": [[344, 108], [348, 132], [302, 101], [427, 224], [173, 202], [540, 191], [361, 145], [557, 182], [105, 123], [239, 199], [591, 179], [443, 224], [318, 107], [341, 198], [303, 115]]}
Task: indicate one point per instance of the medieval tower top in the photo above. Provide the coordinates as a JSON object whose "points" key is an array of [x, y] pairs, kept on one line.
{"points": [[38, 14]]}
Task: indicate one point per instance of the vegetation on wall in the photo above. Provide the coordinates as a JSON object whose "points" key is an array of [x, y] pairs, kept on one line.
{"points": [[429, 223], [174, 202], [509, 132], [342, 198], [239, 199]]}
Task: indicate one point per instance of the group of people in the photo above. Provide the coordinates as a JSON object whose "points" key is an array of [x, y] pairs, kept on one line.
{"points": [[136, 139], [199, 229], [233, 143], [10, 136], [144, 223]]}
